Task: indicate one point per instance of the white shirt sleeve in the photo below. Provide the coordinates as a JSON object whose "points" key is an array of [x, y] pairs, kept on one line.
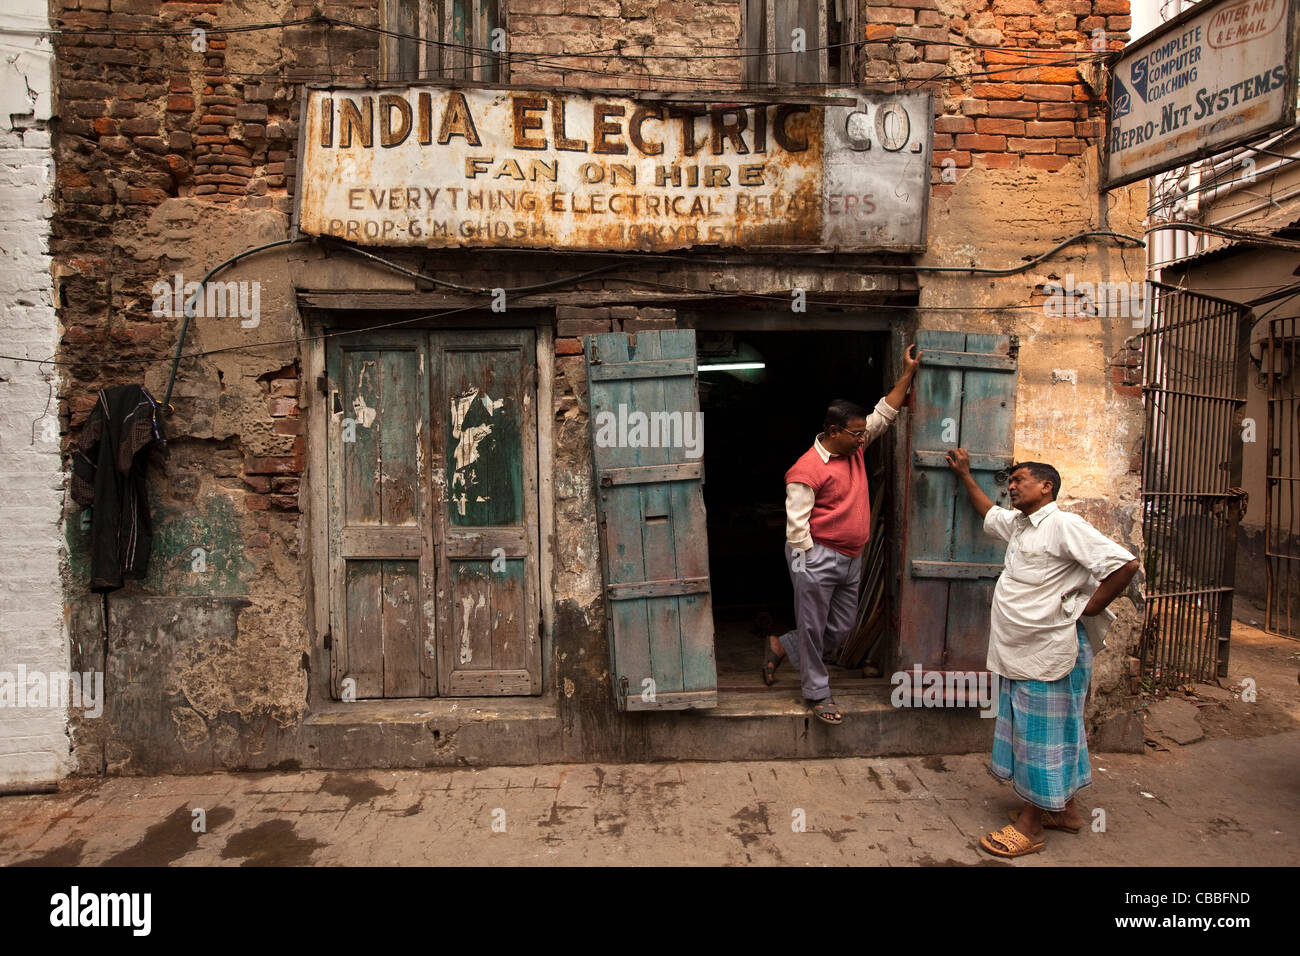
{"points": [[799, 499], [879, 420], [1000, 522], [1085, 544]]}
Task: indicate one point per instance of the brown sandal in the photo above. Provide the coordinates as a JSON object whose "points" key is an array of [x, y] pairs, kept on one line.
{"points": [[1010, 842]]}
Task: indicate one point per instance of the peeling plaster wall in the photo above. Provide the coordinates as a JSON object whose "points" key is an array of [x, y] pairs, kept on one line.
{"points": [[34, 746], [171, 159], [1072, 409]]}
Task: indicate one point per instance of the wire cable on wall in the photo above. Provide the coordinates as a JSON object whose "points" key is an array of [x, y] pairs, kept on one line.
{"points": [[522, 291]]}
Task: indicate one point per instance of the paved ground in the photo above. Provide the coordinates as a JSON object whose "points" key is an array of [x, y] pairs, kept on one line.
{"points": [[1222, 802], [1231, 797]]}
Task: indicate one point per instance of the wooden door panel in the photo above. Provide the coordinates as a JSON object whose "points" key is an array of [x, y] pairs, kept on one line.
{"points": [[654, 542], [484, 417], [380, 529], [964, 397], [931, 506], [987, 426], [365, 639], [433, 481]]}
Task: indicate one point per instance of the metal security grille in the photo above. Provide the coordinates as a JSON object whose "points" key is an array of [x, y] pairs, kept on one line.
{"points": [[1281, 516], [1195, 357]]}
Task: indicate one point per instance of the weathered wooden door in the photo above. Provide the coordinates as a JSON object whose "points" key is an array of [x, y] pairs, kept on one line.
{"points": [[433, 515], [965, 397], [380, 517], [646, 445], [485, 463]]}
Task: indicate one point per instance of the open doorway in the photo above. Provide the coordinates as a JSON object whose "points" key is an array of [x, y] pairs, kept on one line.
{"points": [[764, 397]]}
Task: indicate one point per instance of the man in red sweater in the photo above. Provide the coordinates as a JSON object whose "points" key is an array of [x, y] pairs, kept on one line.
{"points": [[828, 521]]}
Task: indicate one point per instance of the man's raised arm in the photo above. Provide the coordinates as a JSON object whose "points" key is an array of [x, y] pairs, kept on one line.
{"points": [[959, 460]]}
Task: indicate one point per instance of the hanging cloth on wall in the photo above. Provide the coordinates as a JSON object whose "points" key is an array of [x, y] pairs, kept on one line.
{"points": [[109, 476]]}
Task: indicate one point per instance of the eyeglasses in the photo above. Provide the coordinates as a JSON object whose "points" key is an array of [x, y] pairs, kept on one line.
{"points": [[849, 431]]}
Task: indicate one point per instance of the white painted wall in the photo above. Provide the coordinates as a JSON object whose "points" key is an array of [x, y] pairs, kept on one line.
{"points": [[34, 746]]}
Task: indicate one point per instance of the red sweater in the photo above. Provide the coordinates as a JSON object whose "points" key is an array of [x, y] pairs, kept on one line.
{"points": [[841, 515]]}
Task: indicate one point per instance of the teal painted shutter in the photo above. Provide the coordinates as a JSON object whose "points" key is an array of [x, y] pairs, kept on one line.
{"points": [[380, 542], [965, 396], [485, 460], [650, 502]]}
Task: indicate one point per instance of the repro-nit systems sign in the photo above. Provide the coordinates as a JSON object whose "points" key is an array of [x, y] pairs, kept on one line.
{"points": [[1217, 75]]}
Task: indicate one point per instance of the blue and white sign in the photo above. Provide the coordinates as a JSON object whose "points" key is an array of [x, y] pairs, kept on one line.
{"points": [[1221, 73]]}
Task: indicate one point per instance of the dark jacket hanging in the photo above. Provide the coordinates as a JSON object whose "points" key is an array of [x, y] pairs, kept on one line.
{"points": [[109, 476]]}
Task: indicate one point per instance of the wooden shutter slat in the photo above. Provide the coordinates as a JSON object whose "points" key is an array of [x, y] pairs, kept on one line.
{"points": [[992, 361], [614, 371], [938, 459], [645, 474], [650, 589], [954, 569]]}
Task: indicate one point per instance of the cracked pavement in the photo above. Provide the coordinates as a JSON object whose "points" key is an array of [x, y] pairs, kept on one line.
{"points": [[1220, 802]]}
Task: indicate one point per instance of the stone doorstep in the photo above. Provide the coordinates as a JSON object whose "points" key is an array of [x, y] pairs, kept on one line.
{"points": [[524, 731], [731, 705]]}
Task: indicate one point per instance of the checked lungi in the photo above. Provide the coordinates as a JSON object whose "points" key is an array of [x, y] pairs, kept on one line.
{"points": [[1038, 741]]}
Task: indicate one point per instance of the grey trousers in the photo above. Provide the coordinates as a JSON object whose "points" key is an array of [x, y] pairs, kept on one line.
{"points": [[825, 610]]}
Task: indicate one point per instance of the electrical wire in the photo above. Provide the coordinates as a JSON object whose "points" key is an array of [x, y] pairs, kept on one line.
{"points": [[1215, 183], [1275, 242], [326, 20], [523, 291], [483, 55]]}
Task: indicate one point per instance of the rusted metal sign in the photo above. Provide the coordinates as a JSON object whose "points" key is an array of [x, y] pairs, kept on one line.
{"points": [[437, 166], [1217, 75]]}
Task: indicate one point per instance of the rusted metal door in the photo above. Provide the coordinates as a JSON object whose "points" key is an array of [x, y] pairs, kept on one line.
{"points": [[432, 515], [1195, 354], [1281, 503], [654, 543], [964, 397]]}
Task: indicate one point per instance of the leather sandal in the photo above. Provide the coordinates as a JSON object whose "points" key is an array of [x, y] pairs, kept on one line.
{"points": [[827, 711], [1010, 842]]}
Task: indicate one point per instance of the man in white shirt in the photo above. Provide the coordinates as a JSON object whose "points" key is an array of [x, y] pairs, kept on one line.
{"points": [[1039, 647]]}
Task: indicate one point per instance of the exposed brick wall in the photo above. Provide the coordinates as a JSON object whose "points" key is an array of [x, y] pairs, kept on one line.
{"points": [[1031, 108], [145, 119], [573, 322]]}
